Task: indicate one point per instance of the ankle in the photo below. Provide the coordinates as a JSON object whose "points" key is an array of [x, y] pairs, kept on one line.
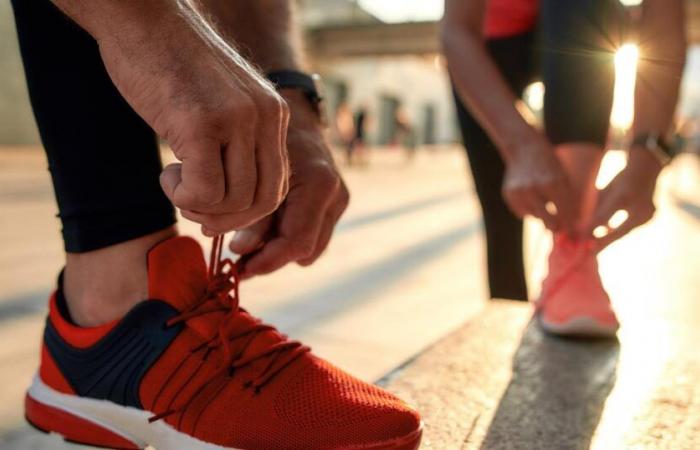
{"points": [[103, 285]]}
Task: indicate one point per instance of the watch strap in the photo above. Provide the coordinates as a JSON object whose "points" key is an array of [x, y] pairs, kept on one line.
{"points": [[655, 144], [292, 79]]}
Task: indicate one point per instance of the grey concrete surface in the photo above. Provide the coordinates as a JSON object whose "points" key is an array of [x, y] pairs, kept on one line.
{"points": [[378, 291], [500, 383], [404, 270]]}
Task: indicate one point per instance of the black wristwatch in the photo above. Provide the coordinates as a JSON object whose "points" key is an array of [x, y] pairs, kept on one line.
{"points": [[309, 85], [655, 144]]}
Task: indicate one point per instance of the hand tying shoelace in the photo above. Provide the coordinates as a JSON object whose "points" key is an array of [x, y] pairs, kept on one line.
{"points": [[236, 332]]}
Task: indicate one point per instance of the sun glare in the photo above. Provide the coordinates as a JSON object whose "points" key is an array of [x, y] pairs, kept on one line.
{"points": [[626, 59]]}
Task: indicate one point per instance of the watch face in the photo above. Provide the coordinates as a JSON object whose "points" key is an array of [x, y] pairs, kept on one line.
{"points": [[320, 88], [320, 97]]}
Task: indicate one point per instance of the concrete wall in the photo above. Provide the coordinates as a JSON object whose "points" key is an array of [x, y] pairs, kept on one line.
{"points": [[16, 121], [415, 81]]}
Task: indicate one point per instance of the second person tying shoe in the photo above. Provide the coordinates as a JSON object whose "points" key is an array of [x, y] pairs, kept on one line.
{"points": [[495, 49]]}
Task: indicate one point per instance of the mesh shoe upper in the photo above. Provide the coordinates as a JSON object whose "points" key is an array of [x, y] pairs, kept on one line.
{"points": [[573, 287], [228, 379]]}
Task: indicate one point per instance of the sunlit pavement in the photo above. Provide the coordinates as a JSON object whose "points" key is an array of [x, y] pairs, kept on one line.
{"points": [[405, 270], [499, 383]]}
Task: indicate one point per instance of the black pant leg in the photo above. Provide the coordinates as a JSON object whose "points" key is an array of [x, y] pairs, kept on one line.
{"points": [[504, 230], [578, 43], [103, 157]]}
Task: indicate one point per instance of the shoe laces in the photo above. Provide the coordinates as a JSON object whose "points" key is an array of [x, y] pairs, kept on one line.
{"points": [[232, 339], [582, 250]]}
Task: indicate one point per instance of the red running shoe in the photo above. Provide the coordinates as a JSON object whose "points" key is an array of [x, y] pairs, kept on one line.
{"points": [[573, 300], [190, 369]]}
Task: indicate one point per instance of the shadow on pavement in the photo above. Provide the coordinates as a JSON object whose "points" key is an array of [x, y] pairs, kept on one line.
{"points": [[556, 395], [357, 287]]}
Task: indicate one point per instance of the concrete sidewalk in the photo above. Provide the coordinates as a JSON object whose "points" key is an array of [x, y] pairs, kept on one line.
{"points": [[500, 383], [491, 384]]}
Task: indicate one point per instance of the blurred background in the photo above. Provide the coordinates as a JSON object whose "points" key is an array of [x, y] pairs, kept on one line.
{"points": [[407, 264]]}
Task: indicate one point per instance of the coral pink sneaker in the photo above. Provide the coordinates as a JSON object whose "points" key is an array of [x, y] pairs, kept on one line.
{"points": [[573, 300]]}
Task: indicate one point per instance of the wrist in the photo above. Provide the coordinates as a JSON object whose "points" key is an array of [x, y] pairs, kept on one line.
{"points": [[643, 164], [303, 115], [525, 145], [517, 138]]}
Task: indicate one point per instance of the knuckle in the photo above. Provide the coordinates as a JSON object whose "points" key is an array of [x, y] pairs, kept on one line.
{"points": [[243, 195], [326, 177], [344, 196], [268, 203], [243, 105], [302, 247], [272, 106]]}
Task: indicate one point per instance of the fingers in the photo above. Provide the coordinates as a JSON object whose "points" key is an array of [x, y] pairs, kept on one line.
{"points": [[562, 196], [615, 234], [635, 219], [240, 174], [273, 164], [252, 238], [305, 225], [241, 171], [538, 206], [517, 202], [256, 173], [299, 231], [199, 180], [609, 202], [332, 218], [529, 202]]}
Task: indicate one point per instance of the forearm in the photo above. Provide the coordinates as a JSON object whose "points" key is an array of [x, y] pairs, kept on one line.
{"points": [[482, 87], [117, 18], [264, 31], [662, 58]]}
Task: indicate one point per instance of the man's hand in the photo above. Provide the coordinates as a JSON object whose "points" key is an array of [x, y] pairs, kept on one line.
{"points": [[632, 190], [224, 122], [301, 229], [533, 179]]}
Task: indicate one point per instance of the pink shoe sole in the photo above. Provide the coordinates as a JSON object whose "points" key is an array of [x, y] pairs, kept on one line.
{"points": [[581, 326]]}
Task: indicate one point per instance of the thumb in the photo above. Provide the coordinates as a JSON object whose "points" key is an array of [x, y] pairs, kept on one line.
{"points": [[253, 237], [608, 203], [170, 178]]}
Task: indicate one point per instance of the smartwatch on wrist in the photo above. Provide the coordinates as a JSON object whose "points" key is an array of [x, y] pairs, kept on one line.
{"points": [[309, 85], [655, 144]]}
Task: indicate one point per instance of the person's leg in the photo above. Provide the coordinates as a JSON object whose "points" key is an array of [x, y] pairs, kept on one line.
{"points": [[503, 229], [579, 38], [104, 163]]}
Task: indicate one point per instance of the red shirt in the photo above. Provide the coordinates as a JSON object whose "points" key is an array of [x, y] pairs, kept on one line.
{"points": [[510, 17]]}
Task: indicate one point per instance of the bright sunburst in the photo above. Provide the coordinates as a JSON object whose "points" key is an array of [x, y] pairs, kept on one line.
{"points": [[626, 59]]}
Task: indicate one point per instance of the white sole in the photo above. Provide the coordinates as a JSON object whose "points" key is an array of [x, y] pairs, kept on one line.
{"points": [[131, 425], [582, 326], [117, 419]]}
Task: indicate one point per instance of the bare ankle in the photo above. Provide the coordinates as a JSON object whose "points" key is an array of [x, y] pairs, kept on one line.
{"points": [[103, 285]]}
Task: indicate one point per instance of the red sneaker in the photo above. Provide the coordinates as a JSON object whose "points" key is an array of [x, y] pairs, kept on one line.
{"points": [[573, 300], [190, 369]]}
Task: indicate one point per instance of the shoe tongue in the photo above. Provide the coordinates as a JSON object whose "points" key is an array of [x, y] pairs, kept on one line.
{"points": [[177, 272]]}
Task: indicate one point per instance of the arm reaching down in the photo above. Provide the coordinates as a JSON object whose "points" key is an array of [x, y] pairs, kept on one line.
{"points": [[224, 122], [265, 33], [534, 176], [662, 49]]}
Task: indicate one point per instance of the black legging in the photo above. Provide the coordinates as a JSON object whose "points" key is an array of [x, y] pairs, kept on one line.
{"points": [[103, 158], [573, 52]]}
